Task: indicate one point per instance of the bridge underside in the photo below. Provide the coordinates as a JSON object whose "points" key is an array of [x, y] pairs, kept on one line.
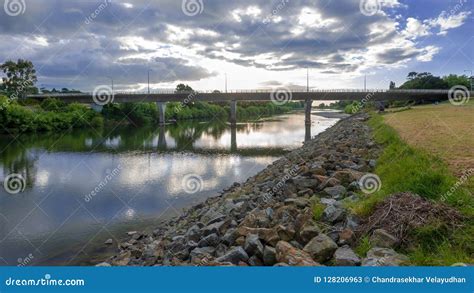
{"points": [[333, 95]]}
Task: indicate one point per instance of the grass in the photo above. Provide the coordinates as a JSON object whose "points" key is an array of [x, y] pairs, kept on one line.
{"points": [[403, 167], [318, 209], [363, 247]]}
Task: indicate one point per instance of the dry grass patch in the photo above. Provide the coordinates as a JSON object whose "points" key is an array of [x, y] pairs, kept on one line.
{"points": [[444, 130]]}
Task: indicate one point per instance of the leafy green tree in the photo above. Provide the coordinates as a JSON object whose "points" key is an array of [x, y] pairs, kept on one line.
{"points": [[424, 80], [20, 77], [183, 88], [453, 80]]}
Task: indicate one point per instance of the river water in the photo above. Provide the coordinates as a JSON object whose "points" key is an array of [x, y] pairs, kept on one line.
{"points": [[85, 186]]}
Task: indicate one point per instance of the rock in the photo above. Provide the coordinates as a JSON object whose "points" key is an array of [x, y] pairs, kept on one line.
{"points": [[235, 255], [230, 236], [253, 246], [346, 236], [218, 218], [347, 176], [382, 238], [308, 232], [122, 259], [298, 202], [285, 232], [131, 233], [344, 256], [321, 248], [378, 256], [218, 228], [269, 256], [354, 186], [372, 163], [352, 222], [333, 214], [109, 241], [336, 192], [200, 253], [269, 236], [286, 253], [255, 261], [256, 219], [193, 233], [305, 183], [103, 264], [209, 240], [328, 201]]}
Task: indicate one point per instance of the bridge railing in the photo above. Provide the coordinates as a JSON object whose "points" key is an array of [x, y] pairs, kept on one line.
{"points": [[368, 91]]}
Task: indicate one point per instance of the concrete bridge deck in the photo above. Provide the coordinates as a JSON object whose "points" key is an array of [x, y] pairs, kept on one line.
{"points": [[319, 95], [279, 96]]}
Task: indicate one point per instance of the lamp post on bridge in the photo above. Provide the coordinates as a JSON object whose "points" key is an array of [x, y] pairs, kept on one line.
{"points": [[149, 80]]}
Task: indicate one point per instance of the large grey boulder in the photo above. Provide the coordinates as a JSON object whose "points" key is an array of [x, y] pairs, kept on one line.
{"points": [[378, 256], [321, 248], [253, 246], [269, 256], [234, 255], [345, 256], [382, 238]]}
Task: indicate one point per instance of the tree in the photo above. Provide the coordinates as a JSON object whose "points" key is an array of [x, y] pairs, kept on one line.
{"points": [[20, 77], [453, 80], [424, 80], [392, 85], [183, 88]]}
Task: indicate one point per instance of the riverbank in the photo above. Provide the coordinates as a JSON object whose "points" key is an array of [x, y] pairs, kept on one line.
{"points": [[305, 209], [291, 213]]}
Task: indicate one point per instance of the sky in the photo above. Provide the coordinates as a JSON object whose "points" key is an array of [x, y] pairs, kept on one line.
{"points": [[258, 44]]}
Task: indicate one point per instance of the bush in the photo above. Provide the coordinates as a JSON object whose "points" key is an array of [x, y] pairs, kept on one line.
{"points": [[52, 104]]}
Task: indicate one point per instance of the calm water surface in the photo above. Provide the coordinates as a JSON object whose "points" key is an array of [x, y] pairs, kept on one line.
{"points": [[84, 187]]}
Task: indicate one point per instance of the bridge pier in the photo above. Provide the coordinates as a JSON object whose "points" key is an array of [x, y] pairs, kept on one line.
{"points": [[233, 112], [233, 138], [161, 112], [307, 111], [307, 132]]}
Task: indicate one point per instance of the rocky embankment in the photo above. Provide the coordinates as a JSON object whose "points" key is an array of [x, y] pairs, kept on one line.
{"points": [[291, 213]]}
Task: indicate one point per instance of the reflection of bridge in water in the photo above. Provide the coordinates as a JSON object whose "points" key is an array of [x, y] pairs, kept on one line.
{"points": [[233, 97]]}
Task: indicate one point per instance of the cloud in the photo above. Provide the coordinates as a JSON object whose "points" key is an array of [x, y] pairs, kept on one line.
{"points": [[82, 42]]}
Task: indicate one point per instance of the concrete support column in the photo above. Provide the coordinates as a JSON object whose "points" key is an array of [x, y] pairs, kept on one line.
{"points": [[233, 112], [307, 132], [161, 112], [307, 112], [233, 138], [162, 145]]}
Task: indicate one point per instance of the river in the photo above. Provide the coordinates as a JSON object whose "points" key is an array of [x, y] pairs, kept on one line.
{"points": [[83, 187]]}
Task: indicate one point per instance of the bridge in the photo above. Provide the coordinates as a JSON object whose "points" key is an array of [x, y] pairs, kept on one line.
{"points": [[278, 96]]}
